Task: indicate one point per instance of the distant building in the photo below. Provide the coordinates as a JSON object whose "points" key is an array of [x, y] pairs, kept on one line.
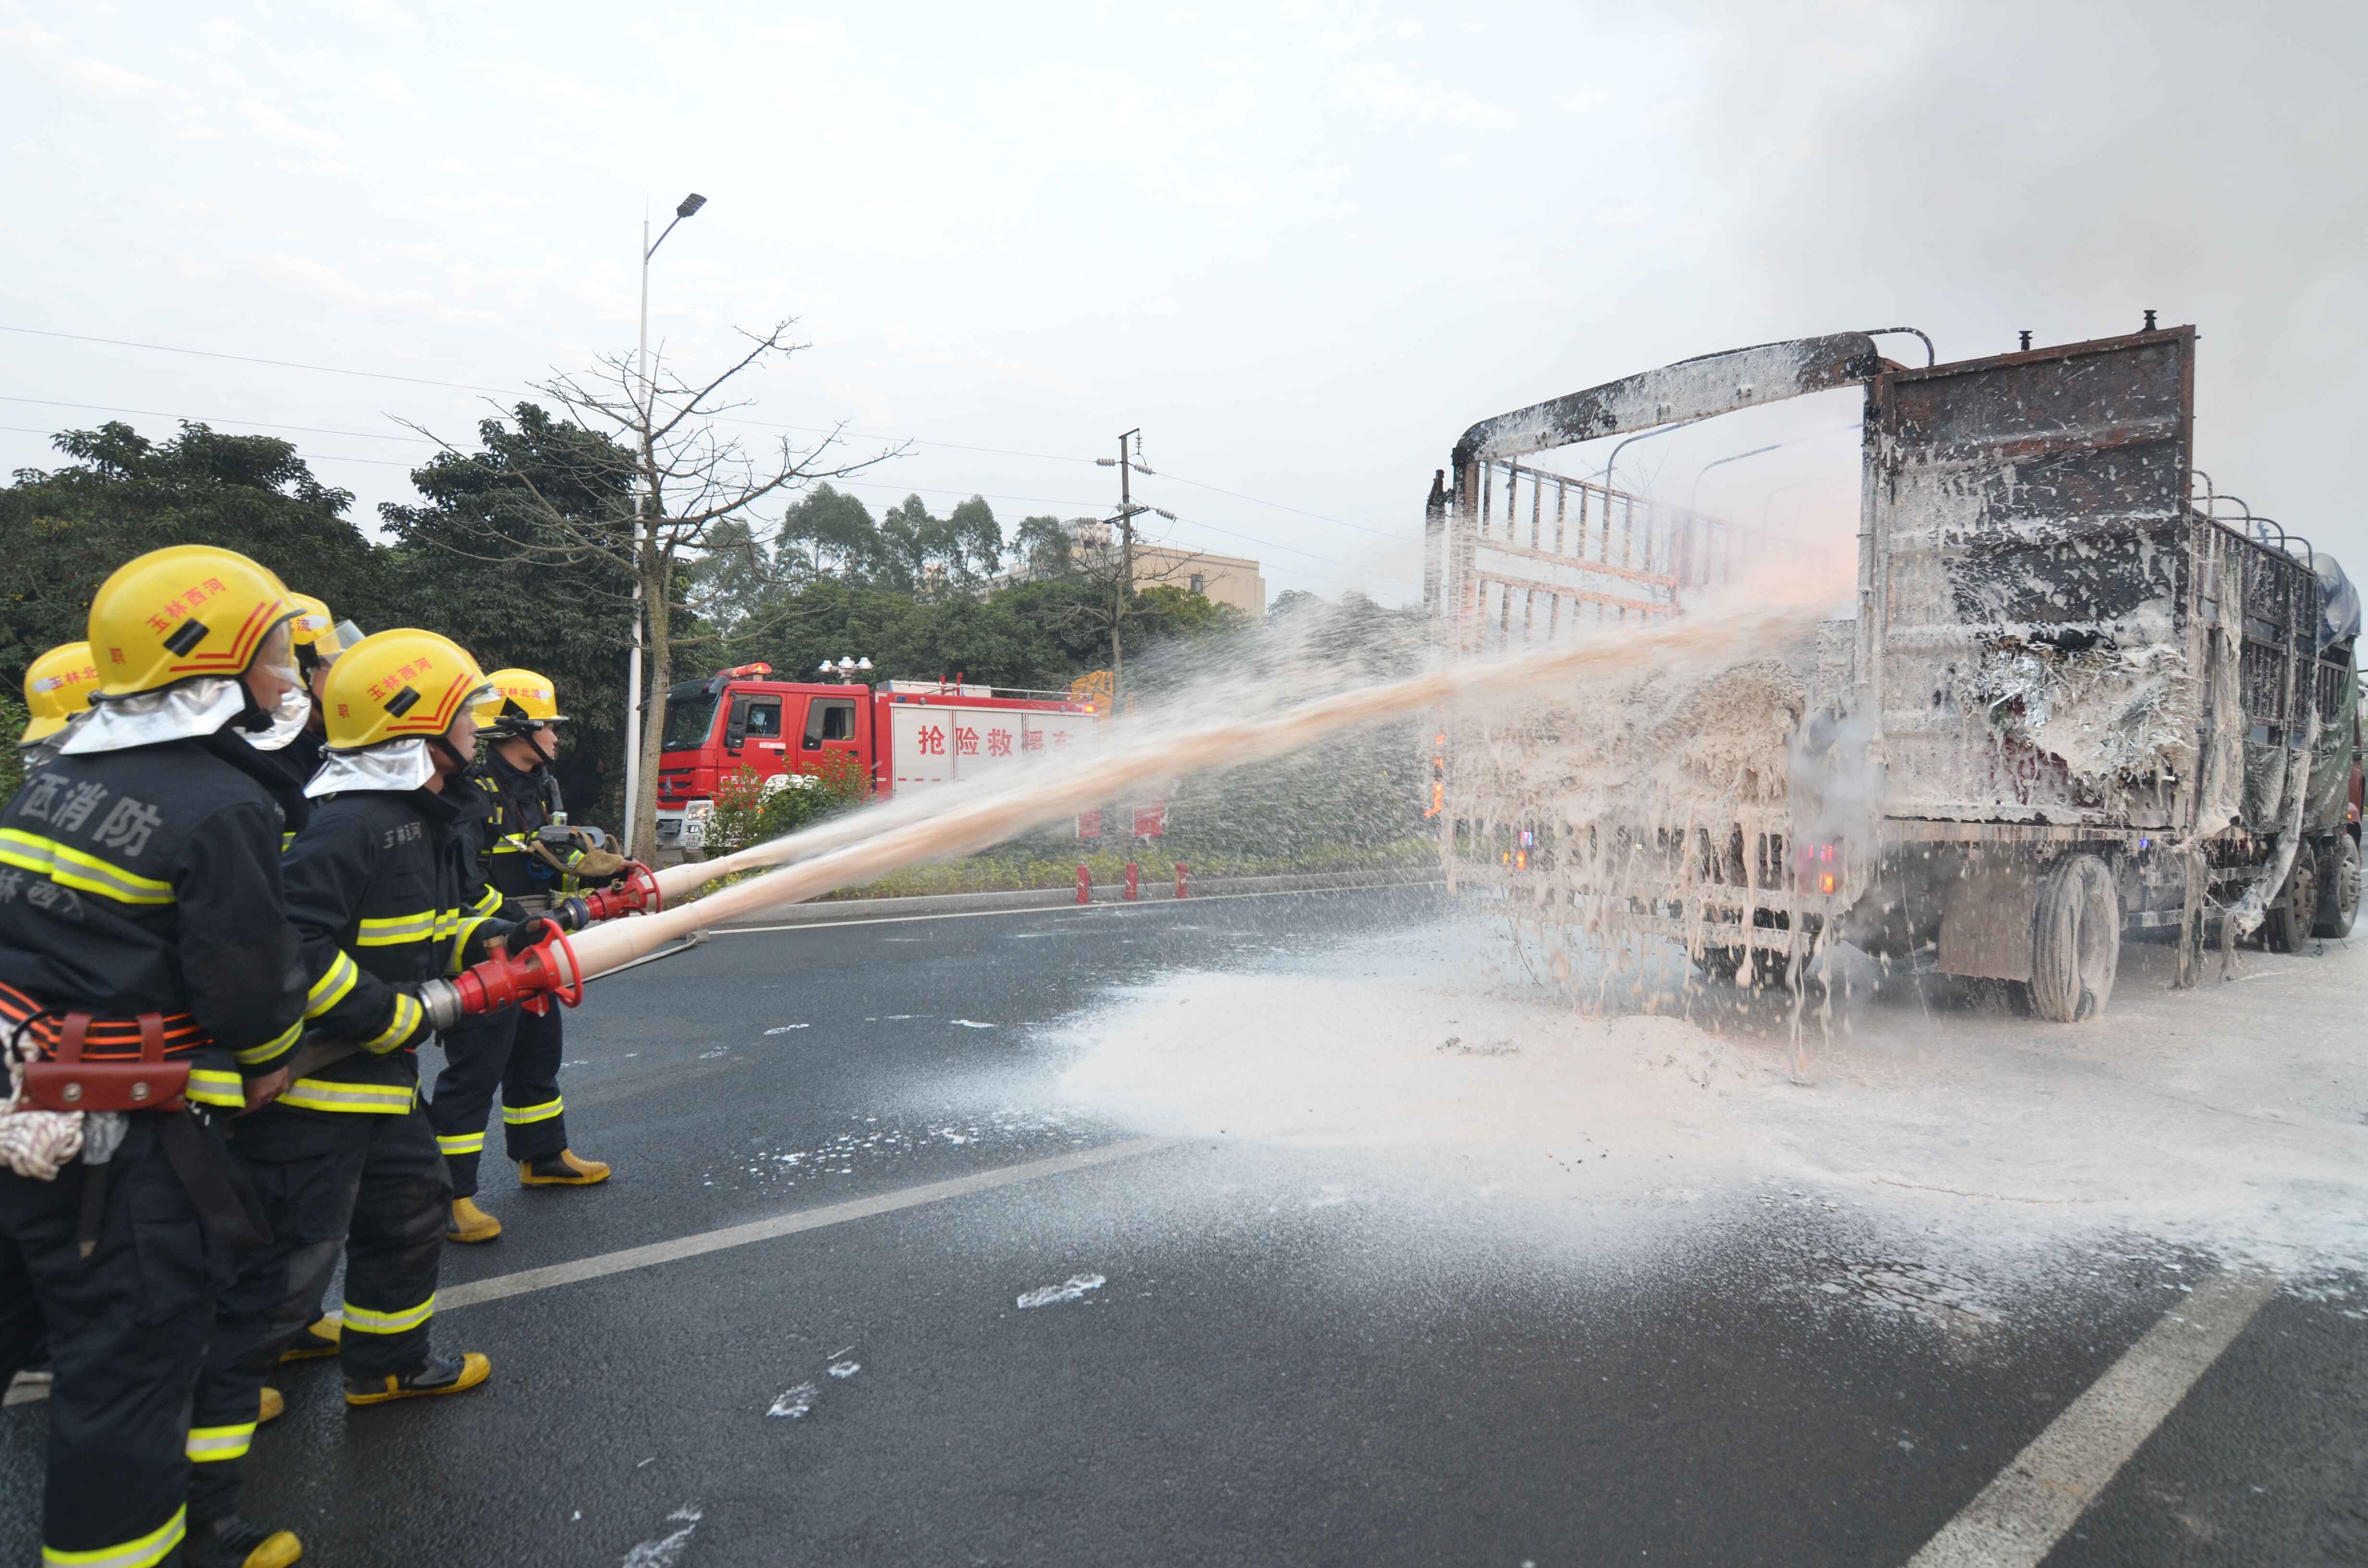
{"points": [[1226, 579]]}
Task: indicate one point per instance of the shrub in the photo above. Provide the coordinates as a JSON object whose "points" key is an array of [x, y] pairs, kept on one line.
{"points": [[750, 809]]}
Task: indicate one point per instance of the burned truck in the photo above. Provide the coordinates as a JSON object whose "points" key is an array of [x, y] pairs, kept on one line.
{"points": [[2079, 696]]}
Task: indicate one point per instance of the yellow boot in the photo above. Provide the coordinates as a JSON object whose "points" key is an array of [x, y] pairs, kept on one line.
{"points": [[470, 1224], [273, 1405], [566, 1169], [319, 1340], [443, 1374], [231, 1542]]}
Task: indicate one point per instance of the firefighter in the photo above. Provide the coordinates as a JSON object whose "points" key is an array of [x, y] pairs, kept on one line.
{"points": [[319, 638], [58, 688], [382, 885], [531, 858], [144, 939]]}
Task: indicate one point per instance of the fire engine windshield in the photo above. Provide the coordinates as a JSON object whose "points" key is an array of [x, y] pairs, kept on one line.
{"points": [[688, 720]]}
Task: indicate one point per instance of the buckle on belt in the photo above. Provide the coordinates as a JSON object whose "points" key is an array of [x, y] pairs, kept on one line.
{"points": [[72, 1082]]}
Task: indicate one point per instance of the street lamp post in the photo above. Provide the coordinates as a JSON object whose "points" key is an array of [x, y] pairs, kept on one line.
{"points": [[689, 205]]}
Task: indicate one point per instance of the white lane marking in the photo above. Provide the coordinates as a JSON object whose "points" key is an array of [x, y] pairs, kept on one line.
{"points": [[1116, 905], [693, 940], [2020, 1515], [531, 1279]]}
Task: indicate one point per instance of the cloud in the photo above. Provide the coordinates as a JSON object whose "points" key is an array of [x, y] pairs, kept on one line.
{"points": [[565, 92], [262, 117], [883, 208], [1382, 86], [803, 35], [387, 84], [113, 81]]}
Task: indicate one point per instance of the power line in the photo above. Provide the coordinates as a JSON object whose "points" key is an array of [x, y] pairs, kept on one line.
{"points": [[1278, 506], [198, 419], [759, 424], [252, 359]]}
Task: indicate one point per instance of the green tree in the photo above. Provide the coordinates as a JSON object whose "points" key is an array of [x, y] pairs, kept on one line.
{"points": [[64, 530], [484, 563]]}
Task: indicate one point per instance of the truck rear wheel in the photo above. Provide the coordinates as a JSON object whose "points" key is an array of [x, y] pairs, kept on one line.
{"points": [[2288, 928], [2339, 888], [2075, 943]]}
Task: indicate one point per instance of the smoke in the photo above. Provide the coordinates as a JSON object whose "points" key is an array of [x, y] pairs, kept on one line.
{"points": [[1979, 170]]}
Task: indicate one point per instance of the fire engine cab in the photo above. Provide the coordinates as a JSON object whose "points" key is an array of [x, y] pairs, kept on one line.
{"points": [[904, 734]]}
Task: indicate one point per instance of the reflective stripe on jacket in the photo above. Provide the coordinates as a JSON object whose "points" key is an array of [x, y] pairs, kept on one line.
{"points": [[147, 880], [383, 886]]}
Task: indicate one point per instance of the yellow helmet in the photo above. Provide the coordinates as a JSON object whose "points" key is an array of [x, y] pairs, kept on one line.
{"points": [[315, 633], [520, 700], [57, 686], [394, 686], [189, 610]]}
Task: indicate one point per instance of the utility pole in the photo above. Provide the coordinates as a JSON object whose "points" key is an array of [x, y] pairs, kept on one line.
{"points": [[1127, 512], [689, 205]]}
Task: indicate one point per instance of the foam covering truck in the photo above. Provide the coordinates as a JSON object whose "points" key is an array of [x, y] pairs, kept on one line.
{"points": [[2079, 696], [903, 735]]}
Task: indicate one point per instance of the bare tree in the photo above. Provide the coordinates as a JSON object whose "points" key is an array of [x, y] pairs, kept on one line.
{"points": [[1106, 560], [697, 493]]}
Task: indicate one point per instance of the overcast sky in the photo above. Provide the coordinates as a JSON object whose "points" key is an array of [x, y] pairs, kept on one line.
{"points": [[1302, 245]]}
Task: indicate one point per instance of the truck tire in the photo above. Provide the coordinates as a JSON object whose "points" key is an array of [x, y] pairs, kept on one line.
{"points": [[2076, 941], [2339, 888], [1722, 964], [2288, 927]]}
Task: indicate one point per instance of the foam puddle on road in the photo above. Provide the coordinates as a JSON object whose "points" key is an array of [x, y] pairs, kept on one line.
{"points": [[2176, 1117]]}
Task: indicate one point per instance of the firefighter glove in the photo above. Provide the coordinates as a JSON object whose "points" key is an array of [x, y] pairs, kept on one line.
{"points": [[532, 930], [601, 866]]}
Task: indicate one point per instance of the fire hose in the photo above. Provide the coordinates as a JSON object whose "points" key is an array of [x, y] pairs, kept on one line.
{"points": [[869, 844]]}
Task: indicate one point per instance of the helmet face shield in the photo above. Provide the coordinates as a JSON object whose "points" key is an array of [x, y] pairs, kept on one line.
{"points": [[288, 720]]}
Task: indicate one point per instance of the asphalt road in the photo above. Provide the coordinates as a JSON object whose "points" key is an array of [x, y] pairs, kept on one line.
{"points": [[1234, 1388]]}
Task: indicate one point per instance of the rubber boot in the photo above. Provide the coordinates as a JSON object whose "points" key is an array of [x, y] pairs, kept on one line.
{"points": [[470, 1224], [318, 1340], [443, 1374], [273, 1407], [231, 1542], [566, 1169]]}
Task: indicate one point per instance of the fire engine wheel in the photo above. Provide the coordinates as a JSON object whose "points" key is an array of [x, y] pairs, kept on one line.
{"points": [[2288, 928], [2076, 942], [2339, 881]]}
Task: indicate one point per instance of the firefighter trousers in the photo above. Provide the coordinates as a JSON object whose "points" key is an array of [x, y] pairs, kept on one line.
{"points": [[368, 1183], [126, 1330], [516, 1051]]}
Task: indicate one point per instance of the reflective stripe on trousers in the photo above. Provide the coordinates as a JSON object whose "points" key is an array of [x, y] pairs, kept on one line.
{"points": [[361, 1320], [209, 1444], [144, 1552]]}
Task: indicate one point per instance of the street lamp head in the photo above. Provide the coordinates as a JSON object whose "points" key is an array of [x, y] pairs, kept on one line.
{"points": [[691, 204]]}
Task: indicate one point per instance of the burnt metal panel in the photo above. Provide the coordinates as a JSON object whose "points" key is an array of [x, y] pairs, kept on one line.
{"points": [[1674, 394], [2031, 630]]}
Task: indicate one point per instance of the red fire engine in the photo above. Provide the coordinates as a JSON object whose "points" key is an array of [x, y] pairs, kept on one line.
{"points": [[904, 734]]}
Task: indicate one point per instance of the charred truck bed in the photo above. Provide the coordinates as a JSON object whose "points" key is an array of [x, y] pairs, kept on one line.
{"points": [[2072, 701]]}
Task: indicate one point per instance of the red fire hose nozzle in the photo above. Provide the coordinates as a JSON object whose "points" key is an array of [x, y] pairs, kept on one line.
{"points": [[636, 894], [547, 966]]}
